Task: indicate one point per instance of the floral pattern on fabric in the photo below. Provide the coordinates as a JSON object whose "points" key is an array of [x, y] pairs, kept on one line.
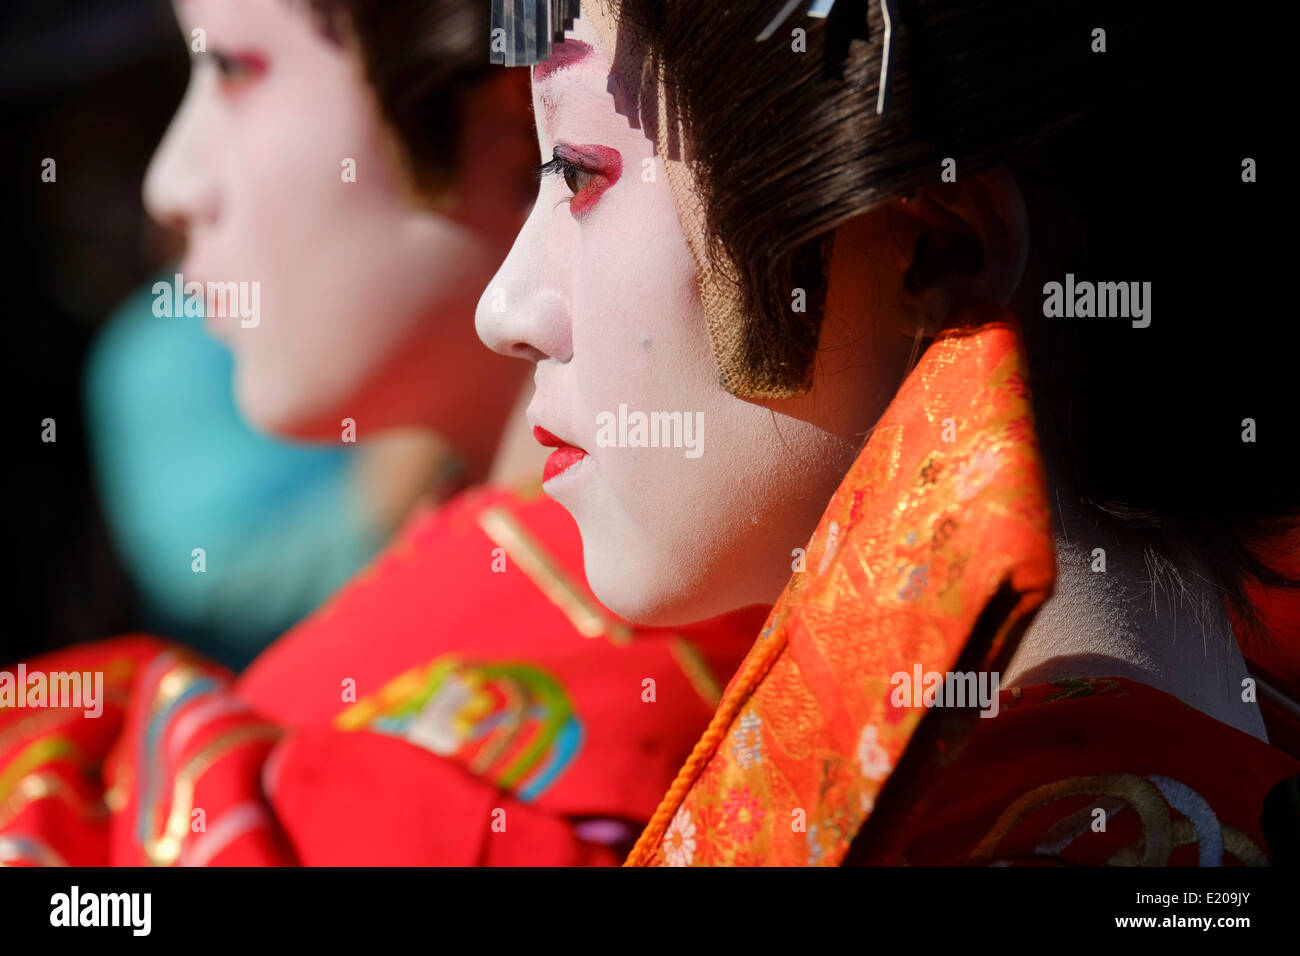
{"points": [[509, 722], [944, 510]]}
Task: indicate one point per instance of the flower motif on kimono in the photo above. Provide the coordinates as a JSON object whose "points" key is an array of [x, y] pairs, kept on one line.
{"points": [[815, 851], [1017, 385], [873, 757], [977, 472], [715, 844], [743, 814], [914, 586], [747, 741], [1021, 430], [679, 840]]}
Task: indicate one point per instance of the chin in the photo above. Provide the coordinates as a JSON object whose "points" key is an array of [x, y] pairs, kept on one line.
{"points": [[649, 593], [274, 408]]}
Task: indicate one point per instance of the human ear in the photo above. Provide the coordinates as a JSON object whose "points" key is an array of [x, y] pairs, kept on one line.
{"points": [[968, 239]]}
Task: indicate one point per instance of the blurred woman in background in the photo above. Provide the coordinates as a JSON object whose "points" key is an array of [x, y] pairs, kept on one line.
{"points": [[282, 176]]}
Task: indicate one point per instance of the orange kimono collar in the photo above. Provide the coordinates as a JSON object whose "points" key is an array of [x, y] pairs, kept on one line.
{"points": [[934, 552]]}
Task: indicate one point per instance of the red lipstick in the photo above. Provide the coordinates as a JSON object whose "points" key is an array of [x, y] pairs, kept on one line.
{"points": [[562, 459]]}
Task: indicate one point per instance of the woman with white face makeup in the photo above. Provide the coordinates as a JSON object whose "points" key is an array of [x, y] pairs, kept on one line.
{"points": [[762, 239], [465, 700], [280, 171], [356, 311]]}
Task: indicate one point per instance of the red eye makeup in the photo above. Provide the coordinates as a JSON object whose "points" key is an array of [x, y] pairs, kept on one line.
{"points": [[588, 171], [237, 69]]}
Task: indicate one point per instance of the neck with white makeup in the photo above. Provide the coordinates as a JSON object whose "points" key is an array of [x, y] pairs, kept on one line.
{"points": [[1133, 620]]}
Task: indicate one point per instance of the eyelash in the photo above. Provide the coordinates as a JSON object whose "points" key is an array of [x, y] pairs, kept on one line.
{"points": [[559, 166]]}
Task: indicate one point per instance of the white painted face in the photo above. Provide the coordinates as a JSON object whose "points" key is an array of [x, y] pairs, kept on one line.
{"points": [[600, 291], [364, 300]]}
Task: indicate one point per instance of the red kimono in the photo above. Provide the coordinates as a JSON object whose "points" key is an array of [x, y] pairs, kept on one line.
{"points": [[463, 701]]}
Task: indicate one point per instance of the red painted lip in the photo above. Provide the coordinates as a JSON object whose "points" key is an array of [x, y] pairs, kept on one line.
{"points": [[562, 459]]}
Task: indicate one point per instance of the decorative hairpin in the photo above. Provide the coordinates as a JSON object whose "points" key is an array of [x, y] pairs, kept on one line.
{"points": [[523, 31], [821, 9]]}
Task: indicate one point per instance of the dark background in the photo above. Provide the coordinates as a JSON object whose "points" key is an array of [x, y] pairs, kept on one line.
{"points": [[91, 85]]}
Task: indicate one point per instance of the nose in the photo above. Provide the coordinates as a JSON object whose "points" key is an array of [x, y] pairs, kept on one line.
{"points": [[180, 187], [524, 312]]}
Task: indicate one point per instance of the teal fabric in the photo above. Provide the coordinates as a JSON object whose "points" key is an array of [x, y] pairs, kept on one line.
{"points": [[179, 469]]}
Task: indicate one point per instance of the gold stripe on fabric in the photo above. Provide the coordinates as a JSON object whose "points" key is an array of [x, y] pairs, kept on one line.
{"points": [[175, 681], [1243, 847], [166, 849], [43, 786], [30, 726], [504, 529], [117, 671], [1157, 829], [697, 671], [42, 719], [38, 752]]}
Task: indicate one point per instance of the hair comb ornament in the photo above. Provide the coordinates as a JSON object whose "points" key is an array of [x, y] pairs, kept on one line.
{"points": [[821, 10], [523, 31]]}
